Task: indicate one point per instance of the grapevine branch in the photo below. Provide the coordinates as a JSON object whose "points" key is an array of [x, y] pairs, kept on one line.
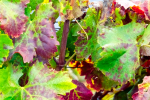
{"points": [[63, 45]]}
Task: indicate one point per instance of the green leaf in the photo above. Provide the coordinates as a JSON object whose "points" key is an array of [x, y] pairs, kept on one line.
{"points": [[34, 3], [90, 18], [118, 15], [85, 47], [52, 63], [74, 29], [146, 37], [17, 60], [59, 36], [120, 55], [64, 8], [43, 83], [59, 81], [16, 1], [46, 10], [5, 45], [72, 38], [28, 11], [9, 86]]}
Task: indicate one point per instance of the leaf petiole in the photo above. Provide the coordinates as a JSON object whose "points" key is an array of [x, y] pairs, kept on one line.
{"points": [[81, 28]]}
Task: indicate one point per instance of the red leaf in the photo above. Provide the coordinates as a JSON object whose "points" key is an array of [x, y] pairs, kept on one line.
{"points": [[146, 64], [144, 5], [138, 10], [13, 19], [80, 93], [43, 45], [135, 6], [95, 78]]}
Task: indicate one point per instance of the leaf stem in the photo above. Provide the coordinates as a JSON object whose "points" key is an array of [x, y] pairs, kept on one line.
{"points": [[70, 59], [28, 94], [81, 28], [140, 70], [32, 85]]}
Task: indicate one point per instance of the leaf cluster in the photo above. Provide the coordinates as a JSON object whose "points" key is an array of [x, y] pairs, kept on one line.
{"points": [[106, 54]]}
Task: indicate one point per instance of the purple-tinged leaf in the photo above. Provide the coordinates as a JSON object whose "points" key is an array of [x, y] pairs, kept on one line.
{"points": [[120, 51], [12, 17], [143, 90], [94, 78], [80, 93], [40, 37]]}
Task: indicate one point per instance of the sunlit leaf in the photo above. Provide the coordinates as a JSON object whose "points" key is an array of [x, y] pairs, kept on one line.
{"points": [[5, 45], [80, 93], [120, 51], [43, 83]]}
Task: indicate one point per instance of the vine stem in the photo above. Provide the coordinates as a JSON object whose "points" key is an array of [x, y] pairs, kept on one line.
{"points": [[69, 59], [63, 45], [81, 28]]}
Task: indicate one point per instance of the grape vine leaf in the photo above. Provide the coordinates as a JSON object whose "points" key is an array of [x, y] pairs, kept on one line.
{"points": [[12, 17], [5, 45], [55, 4], [122, 95], [144, 5], [72, 37], [94, 78], [103, 47], [120, 51], [68, 9], [128, 10], [80, 93], [76, 10], [17, 60], [64, 7], [84, 47], [40, 37], [143, 90], [146, 64], [145, 50], [43, 83], [118, 14], [125, 3], [145, 40], [34, 3], [75, 30]]}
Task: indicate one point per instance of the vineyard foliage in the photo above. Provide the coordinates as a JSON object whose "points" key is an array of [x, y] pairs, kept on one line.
{"points": [[100, 52]]}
